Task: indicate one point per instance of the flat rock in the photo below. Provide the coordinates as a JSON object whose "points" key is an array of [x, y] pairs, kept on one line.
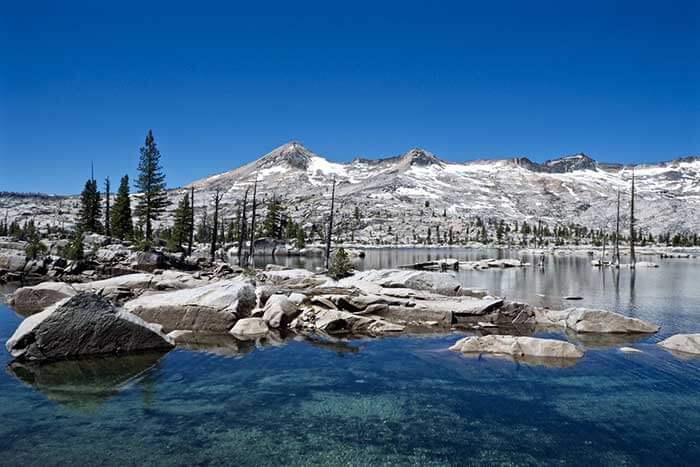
{"points": [[338, 322], [435, 282], [35, 298], [685, 343], [279, 311], [517, 346], [85, 324], [595, 321], [12, 260], [213, 307]]}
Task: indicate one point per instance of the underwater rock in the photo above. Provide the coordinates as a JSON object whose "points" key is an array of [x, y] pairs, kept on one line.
{"points": [[517, 346], [685, 343], [213, 307], [85, 324]]}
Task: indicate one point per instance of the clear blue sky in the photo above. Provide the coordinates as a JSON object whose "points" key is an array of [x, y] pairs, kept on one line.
{"points": [[222, 83]]}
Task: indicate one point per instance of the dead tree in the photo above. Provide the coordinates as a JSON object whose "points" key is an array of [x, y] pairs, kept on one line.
{"points": [[242, 227], [251, 251], [617, 233], [633, 257], [215, 230], [330, 227], [191, 239]]}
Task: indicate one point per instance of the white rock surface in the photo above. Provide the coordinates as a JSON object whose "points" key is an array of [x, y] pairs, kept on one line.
{"points": [[517, 346], [435, 282], [685, 343], [590, 320], [250, 328]]}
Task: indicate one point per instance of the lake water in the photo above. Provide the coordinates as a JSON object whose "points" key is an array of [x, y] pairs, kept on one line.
{"points": [[399, 400]]}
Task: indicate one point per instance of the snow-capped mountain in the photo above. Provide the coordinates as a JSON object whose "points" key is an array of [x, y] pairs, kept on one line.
{"points": [[405, 194]]}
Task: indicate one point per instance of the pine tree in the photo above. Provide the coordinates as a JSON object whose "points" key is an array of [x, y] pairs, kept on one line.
{"points": [[300, 241], [108, 230], [90, 207], [215, 229], [34, 248], [272, 225], [122, 225], [181, 227], [151, 184]]}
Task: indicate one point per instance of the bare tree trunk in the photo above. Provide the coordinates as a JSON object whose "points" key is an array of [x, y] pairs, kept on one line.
{"points": [[242, 226], [215, 230], [191, 236], [633, 257], [251, 251], [330, 227]]}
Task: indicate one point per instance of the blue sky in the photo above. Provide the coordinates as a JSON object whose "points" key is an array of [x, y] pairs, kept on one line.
{"points": [[222, 83]]}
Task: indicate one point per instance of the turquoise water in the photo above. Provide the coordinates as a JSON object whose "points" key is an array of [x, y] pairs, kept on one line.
{"points": [[401, 400]]}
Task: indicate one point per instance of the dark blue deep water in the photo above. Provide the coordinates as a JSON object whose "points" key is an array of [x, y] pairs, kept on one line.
{"points": [[401, 400]]}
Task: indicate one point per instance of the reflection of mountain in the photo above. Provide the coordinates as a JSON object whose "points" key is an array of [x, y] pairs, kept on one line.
{"points": [[84, 384]]}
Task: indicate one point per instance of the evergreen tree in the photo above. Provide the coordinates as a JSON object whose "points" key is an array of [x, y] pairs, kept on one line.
{"points": [[272, 225], [300, 238], [90, 207], [122, 225], [34, 248], [151, 184], [108, 230], [340, 266], [181, 227], [75, 250]]}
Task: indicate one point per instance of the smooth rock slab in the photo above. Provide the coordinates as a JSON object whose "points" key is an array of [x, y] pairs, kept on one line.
{"points": [[595, 321], [213, 307], [517, 346], [37, 297], [686, 343], [279, 311], [85, 324], [436, 282]]}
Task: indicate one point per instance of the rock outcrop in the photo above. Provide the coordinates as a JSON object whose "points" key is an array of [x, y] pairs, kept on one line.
{"points": [[684, 343], [517, 346], [248, 328], [279, 311], [435, 282], [213, 307], [85, 324]]}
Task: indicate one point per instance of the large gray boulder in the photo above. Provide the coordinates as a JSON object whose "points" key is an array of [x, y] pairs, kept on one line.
{"points": [[85, 324], [595, 321], [12, 259], [148, 260], [279, 311], [213, 307], [33, 299], [435, 282], [248, 328], [685, 343], [517, 346], [341, 322]]}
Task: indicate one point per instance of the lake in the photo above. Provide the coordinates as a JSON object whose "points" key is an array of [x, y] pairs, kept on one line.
{"points": [[397, 400]]}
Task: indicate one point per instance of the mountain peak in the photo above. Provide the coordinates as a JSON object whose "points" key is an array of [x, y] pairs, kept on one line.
{"points": [[292, 153], [579, 161], [419, 157]]}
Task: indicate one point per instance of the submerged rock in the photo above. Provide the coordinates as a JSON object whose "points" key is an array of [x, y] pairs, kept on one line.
{"points": [[85, 324], [685, 343], [517, 346], [35, 298], [589, 320], [213, 307]]}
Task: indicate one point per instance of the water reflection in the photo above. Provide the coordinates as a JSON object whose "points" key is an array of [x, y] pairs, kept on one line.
{"points": [[84, 384]]}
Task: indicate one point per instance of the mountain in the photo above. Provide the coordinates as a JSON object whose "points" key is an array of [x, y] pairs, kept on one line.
{"points": [[405, 194]]}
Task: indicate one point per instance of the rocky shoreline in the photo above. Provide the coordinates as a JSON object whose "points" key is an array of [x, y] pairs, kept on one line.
{"points": [[165, 309]]}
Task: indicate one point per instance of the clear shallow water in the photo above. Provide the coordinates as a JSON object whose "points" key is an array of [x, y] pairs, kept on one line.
{"points": [[397, 400]]}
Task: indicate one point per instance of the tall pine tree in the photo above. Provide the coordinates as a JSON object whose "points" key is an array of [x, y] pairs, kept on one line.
{"points": [[90, 207], [122, 225], [181, 227], [151, 184], [108, 230]]}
